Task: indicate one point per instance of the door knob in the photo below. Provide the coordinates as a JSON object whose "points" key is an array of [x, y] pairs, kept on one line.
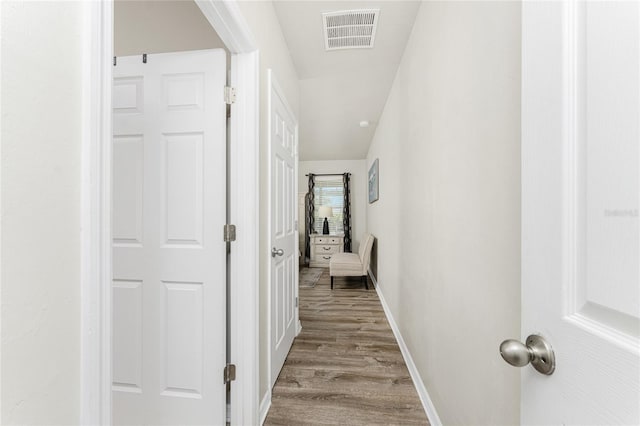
{"points": [[537, 351], [276, 252]]}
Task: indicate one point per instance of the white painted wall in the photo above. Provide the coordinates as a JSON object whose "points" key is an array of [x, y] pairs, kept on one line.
{"points": [[358, 190], [159, 26], [448, 217], [40, 166], [274, 54]]}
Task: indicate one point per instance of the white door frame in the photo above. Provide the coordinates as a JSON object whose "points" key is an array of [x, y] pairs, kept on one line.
{"points": [[273, 85], [227, 20]]}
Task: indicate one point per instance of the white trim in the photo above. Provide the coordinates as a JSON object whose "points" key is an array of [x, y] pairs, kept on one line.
{"points": [[429, 408], [268, 239], [244, 206], [273, 85], [373, 279], [227, 20], [1, 208], [296, 188], [95, 215], [265, 405]]}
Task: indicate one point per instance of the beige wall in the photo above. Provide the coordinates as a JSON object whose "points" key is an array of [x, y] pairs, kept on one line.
{"points": [[274, 54], [40, 263], [159, 26], [448, 217], [358, 190]]}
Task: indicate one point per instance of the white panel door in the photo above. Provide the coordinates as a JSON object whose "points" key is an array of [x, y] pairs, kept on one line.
{"points": [[284, 235], [580, 233], [169, 267]]}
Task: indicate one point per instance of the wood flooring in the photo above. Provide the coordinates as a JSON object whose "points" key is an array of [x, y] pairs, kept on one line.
{"points": [[345, 367]]}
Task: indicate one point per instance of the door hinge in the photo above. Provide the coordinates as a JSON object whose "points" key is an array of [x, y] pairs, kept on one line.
{"points": [[229, 95], [296, 301], [229, 233], [229, 373]]}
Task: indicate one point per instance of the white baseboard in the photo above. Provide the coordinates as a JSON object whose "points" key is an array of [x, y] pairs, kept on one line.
{"points": [[373, 279], [265, 404], [429, 408]]}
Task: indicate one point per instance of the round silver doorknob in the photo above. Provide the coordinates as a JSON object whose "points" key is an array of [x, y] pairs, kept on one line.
{"points": [[537, 351], [276, 252], [515, 353]]}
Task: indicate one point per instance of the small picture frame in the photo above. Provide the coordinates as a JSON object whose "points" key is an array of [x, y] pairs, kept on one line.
{"points": [[374, 184]]}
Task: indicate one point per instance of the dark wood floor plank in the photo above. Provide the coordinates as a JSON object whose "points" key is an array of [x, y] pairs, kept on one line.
{"points": [[345, 367]]}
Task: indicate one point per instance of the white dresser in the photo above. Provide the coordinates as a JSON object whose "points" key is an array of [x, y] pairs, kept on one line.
{"points": [[322, 247]]}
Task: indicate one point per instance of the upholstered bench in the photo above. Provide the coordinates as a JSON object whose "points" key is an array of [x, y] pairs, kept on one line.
{"points": [[352, 264]]}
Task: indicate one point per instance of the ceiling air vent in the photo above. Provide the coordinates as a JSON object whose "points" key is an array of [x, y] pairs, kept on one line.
{"points": [[350, 29]]}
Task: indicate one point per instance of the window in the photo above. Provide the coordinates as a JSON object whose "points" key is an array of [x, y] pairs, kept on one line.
{"points": [[329, 191]]}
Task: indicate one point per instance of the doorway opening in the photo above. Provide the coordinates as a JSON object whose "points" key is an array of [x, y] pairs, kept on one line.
{"points": [[100, 158]]}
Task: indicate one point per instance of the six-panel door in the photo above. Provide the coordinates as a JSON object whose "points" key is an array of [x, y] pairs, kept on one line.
{"points": [[284, 235], [580, 231], [169, 285]]}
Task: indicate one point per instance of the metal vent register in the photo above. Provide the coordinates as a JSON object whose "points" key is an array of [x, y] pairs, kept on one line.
{"points": [[350, 29]]}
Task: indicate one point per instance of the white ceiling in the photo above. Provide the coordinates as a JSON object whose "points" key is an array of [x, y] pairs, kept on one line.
{"points": [[340, 88]]}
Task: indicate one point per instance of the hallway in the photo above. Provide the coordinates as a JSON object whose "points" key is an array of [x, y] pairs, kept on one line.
{"points": [[345, 367]]}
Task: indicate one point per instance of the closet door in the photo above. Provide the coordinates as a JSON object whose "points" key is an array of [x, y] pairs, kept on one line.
{"points": [[169, 269]]}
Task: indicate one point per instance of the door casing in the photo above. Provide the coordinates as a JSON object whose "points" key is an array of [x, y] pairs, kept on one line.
{"points": [[97, 39]]}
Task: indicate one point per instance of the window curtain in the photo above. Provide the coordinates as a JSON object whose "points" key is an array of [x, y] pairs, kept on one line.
{"points": [[346, 216], [309, 217]]}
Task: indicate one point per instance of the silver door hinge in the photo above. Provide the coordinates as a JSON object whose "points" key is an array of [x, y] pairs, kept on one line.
{"points": [[229, 233], [296, 301], [229, 95], [229, 373]]}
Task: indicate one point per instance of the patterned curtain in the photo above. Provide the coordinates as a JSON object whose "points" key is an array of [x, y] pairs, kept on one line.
{"points": [[346, 217], [310, 208]]}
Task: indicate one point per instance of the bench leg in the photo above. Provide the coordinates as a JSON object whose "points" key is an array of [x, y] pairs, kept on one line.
{"points": [[332, 282], [366, 284]]}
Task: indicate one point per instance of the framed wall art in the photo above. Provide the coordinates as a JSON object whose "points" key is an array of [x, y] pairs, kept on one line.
{"points": [[374, 184]]}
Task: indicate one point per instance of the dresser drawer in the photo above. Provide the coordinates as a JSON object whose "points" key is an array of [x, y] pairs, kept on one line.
{"points": [[323, 258], [321, 249], [328, 240]]}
